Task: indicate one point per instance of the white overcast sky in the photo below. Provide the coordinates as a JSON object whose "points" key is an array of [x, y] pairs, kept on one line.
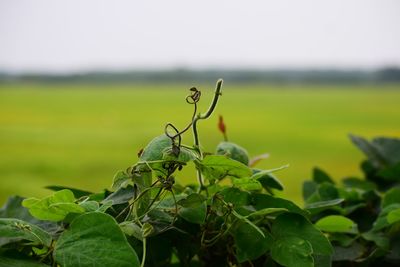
{"points": [[76, 35]]}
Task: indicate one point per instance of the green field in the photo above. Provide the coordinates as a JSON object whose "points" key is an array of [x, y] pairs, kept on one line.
{"points": [[80, 135]]}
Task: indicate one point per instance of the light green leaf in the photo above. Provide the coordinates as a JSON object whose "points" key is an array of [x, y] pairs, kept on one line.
{"points": [[132, 229], [248, 184], [216, 167], [337, 224], [154, 150], [94, 239], [90, 205], [54, 207], [392, 196], [12, 230], [292, 251], [121, 179], [393, 216]]}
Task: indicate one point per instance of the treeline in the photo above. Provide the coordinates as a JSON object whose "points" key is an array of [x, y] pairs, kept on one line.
{"points": [[385, 75]]}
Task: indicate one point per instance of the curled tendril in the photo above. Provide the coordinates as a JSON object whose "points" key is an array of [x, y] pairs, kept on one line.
{"points": [[192, 99]]}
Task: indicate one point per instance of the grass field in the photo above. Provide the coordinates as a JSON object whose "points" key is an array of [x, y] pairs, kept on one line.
{"points": [[80, 135]]}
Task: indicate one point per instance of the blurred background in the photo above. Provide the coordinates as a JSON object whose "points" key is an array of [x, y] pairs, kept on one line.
{"points": [[84, 85]]}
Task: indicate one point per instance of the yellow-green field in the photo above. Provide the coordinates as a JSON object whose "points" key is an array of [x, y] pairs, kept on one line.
{"points": [[80, 135]]}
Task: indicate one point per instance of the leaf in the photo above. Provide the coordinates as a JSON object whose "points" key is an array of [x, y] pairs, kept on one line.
{"points": [[309, 188], [94, 239], [369, 150], [393, 216], [235, 196], [154, 150], [233, 151], [254, 160], [319, 176], [121, 179], [337, 224], [268, 180], [266, 211], [262, 201], [12, 230], [317, 207], [382, 222], [353, 182], [77, 192], [249, 243], [53, 208], [17, 262], [89, 205], [193, 208], [216, 167], [132, 229], [122, 195], [244, 219], [248, 184], [351, 253], [295, 225], [185, 154], [392, 196], [292, 251]]}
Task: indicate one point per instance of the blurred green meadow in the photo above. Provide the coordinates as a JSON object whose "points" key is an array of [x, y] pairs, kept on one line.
{"points": [[79, 135]]}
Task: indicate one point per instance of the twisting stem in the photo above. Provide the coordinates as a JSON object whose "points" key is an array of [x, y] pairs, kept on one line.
{"points": [[202, 117]]}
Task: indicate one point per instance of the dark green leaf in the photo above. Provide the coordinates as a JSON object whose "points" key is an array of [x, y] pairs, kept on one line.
{"points": [[53, 208], [262, 201], [309, 188], [233, 151], [249, 243], [295, 225], [382, 222], [351, 253], [292, 251], [268, 180], [122, 195], [12, 230], [94, 239], [317, 207], [193, 208], [235, 196], [319, 176], [353, 182], [14, 262]]}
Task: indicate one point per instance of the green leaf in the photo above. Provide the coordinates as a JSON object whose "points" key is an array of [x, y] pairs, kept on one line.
{"points": [[292, 251], [392, 196], [122, 195], [262, 201], [309, 188], [248, 184], [94, 239], [268, 180], [235, 196], [337, 224], [17, 262], [215, 167], [266, 211], [132, 229], [317, 207], [154, 150], [185, 154], [319, 176], [54, 207], [351, 253], [89, 205], [382, 221], [12, 230], [121, 179], [353, 182], [393, 216], [77, 192], [193, 208], [295, 225], [233, 151], [249, 243]]}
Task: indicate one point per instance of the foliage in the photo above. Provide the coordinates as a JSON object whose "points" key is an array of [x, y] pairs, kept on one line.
{"points": [[361, 217], [232, 217]]}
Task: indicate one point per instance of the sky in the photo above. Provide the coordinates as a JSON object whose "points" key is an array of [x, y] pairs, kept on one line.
{"points": [[82, 35]]}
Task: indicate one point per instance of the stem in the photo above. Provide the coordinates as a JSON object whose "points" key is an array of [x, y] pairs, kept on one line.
{"points": [[202, 117], [144, 252]]}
